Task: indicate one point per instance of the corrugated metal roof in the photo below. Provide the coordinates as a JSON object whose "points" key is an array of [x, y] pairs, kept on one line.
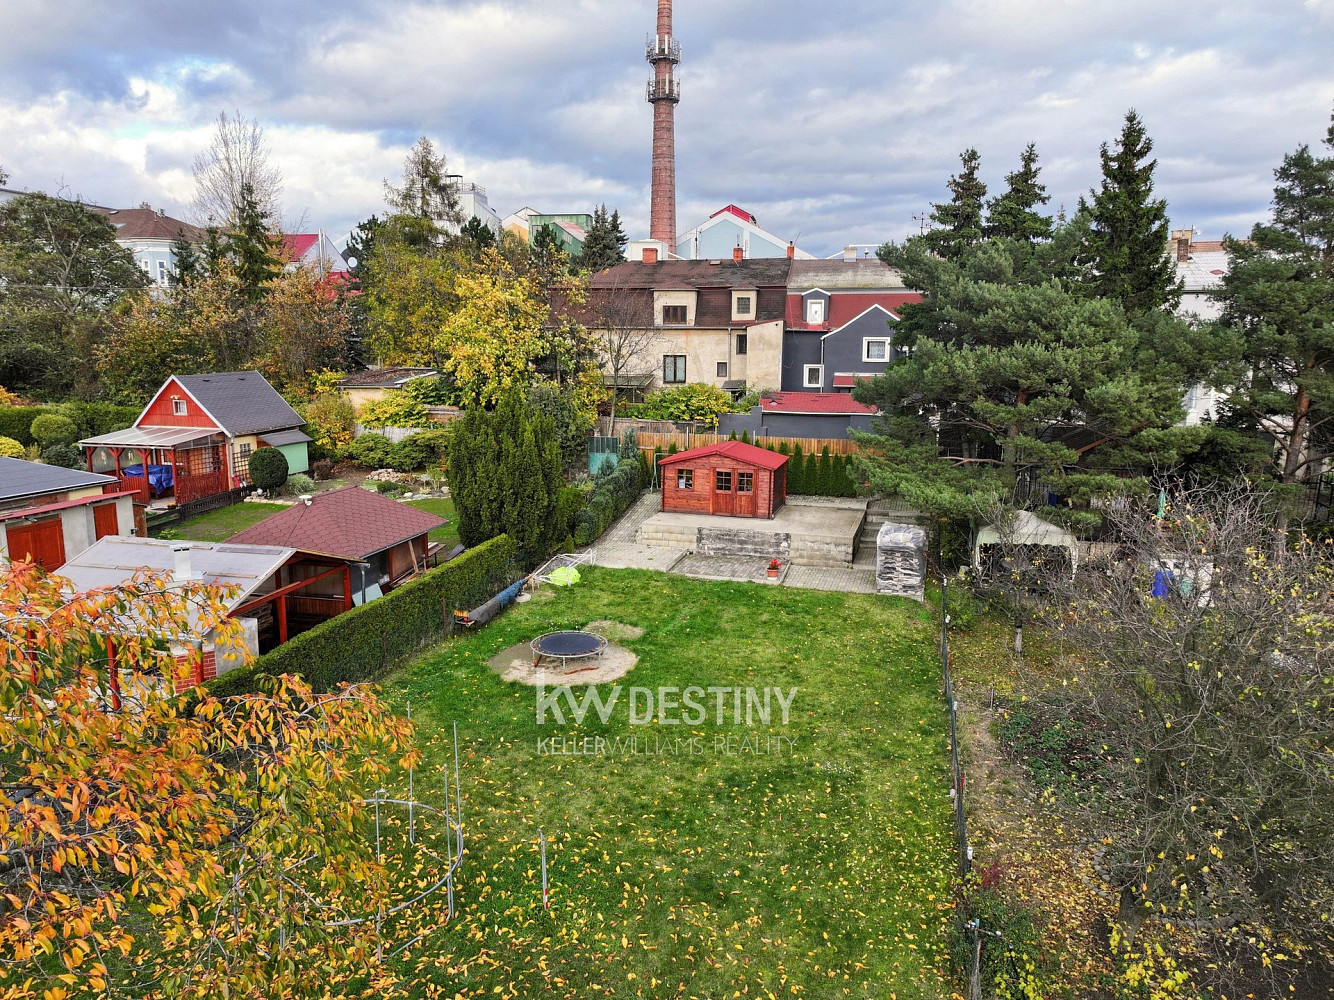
{"points": [[150, 437], [32, 479]]}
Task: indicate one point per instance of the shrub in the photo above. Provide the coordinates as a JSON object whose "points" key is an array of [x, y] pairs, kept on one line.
{"points": [[16, 422], [268, 469], [9, 448], [67, 456], [362, 643], [299, 484], [417, 451], [331, 419], [569, 502], [695, 401], [91, 419], [613, 493], [389, 489], [52, 428], [370, 451], [322, 470], [395, 409]]}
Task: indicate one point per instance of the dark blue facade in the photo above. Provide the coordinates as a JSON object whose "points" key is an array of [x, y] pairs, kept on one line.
{"points": [[863, 346]]}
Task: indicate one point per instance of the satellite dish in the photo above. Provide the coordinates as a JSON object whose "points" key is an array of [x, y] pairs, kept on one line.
{"points": [[352, 262]]}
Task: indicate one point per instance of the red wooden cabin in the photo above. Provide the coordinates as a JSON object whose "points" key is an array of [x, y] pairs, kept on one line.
{"points": [[732, 478]]}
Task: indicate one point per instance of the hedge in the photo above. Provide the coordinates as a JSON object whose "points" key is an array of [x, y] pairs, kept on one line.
{"points": [[364, 642], [90, 419], [822, 475], [612, 495], [16, 421]]}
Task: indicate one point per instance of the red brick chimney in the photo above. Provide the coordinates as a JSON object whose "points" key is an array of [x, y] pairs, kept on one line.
{"points": [[791, 250], [664, 52], [650, 255], [738, 254]]}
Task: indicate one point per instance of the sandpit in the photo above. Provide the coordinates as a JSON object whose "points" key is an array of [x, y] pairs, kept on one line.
{"points": [[516, 664]]}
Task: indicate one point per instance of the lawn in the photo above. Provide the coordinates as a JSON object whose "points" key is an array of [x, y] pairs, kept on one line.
{"points": [[220, 525], [704, 869], [448, 535]]}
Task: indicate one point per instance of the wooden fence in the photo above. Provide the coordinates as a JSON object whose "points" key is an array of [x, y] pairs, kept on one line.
{"points": [[159, 519], [684, 440]]}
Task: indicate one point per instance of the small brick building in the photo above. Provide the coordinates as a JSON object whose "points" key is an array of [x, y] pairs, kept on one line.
{"points": [[732, 478]]}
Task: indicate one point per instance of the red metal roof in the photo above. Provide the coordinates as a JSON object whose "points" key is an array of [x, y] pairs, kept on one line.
{"points": [[351, 523], [9, 515], [740, 213], [845, 381], [812, 402], [844, 307], [738, 450], [295, 245]]}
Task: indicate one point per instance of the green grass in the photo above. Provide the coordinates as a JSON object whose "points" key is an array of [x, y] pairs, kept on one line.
{"points": [[222, 524], [448, 535], [821, 871]]}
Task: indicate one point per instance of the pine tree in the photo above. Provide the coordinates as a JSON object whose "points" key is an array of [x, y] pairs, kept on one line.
{"points": [[428, 193], [959, 220], [605, 244], [1278, 305], [187, 265], [547, 254], [1012, 215], [1126, 257], [477, 236]]}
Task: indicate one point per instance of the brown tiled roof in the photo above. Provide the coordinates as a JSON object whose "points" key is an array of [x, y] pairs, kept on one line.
{"points": [[149, 224], [755, 272], [384, 378], [634, 283], [351, 523]]}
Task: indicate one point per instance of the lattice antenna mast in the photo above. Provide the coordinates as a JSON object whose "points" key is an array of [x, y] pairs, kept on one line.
{"points": [[664, 92]]}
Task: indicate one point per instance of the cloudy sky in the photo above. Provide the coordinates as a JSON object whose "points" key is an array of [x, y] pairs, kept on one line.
{"points": [[834, 123]]}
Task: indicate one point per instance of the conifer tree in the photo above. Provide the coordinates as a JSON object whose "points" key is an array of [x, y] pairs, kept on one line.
{"points": [[1126, 256], [959, 220], [186, 264], [428, 193], [250, 246], [606, 241], [1013, 215], [477, 235], [796, 466]]}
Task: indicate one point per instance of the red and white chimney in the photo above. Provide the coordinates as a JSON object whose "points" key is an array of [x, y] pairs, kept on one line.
{"points": [[664, 91]]}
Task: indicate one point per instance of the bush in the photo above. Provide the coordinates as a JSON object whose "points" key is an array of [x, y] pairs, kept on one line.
{"points": [[322, 470], [91, 419], [370, 451], [67, 456], [9, 448], [362, 643], [417, 451], [613, 493], [299, 485], [695, 401], [268, 469], [330, 420], [395, 409], [569, 502], [390, 489], [52, 428], [16, 422]]}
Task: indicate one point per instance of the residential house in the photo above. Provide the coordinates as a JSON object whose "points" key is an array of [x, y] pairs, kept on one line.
{"points": [[315, 251], [718, 322], [149, 233], [729, 228], [801, 414], [375, 383], [386, 541], [1201, 267], [50, 514], [733, 479], [195, 437], [839, 322]]}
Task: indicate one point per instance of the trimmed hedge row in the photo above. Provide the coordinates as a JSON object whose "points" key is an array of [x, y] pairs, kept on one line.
{"points": [[362, 643], [16, 422], [90, 419], [612, 495]]}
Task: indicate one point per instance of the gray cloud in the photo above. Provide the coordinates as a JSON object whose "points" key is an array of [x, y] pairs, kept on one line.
{"points": [[834, 122]]}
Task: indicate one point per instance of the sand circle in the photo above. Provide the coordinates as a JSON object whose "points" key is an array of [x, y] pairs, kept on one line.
{"points": [[516, 664]]}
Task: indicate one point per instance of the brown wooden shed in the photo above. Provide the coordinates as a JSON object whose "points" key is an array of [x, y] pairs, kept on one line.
{"points": [[732, 478]]}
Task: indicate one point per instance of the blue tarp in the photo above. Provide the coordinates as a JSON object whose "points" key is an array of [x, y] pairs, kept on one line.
{"points": [[159, 476]]}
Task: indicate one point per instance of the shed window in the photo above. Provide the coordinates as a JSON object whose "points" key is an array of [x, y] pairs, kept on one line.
{"points": [[722, 481], [178, 407], [685, 479], [673, 315], [673, 368], [745, 482]]}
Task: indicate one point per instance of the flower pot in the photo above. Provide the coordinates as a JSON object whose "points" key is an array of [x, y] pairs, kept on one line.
{"points": [[773, 574]]}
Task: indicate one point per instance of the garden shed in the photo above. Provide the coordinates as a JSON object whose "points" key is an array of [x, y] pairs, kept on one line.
{"points": [[732, 478]]}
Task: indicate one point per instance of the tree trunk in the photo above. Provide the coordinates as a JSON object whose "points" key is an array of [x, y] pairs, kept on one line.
{"points": [[1301, 419], [1130, 914]]}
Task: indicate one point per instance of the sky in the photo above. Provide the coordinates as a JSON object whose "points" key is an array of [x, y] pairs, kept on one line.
{"points": [[834, 123]]}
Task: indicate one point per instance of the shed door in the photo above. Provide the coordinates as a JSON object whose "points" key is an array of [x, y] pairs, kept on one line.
{"points": [[724, 491], [105, 521], [744, 485], [43, 543]]}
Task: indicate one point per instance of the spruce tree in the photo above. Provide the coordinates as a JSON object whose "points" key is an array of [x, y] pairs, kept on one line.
{"points": [[605, 243], [477, 236], [186, 263], [428, 192], [810, 475], [1013, 215], [1126, 255], [959, 220], [251, 247]]}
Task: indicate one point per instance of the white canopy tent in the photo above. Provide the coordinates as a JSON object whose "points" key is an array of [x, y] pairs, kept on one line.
{"points": [[1025, 528]]}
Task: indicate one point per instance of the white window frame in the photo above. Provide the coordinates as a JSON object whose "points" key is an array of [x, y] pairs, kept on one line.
{"points": [[162, 272], [749, 311], [806, 382], [179, 409], [812, 307], [866, 349]]}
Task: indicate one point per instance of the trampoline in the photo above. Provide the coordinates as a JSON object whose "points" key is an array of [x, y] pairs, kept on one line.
{"points": [[567, 646]]}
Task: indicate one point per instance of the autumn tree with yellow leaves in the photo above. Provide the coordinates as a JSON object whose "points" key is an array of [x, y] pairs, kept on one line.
{"points": [[163, 845]]}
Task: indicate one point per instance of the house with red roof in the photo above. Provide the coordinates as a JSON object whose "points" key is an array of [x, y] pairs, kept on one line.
{"points": [[801, 415], [838, 325], [732, 478], [731, 228], [314, 251]]}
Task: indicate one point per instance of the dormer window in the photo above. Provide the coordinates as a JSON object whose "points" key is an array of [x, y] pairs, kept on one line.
{"points": [[178, 407], [673, 315], [815, 311], [743, 303]]}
